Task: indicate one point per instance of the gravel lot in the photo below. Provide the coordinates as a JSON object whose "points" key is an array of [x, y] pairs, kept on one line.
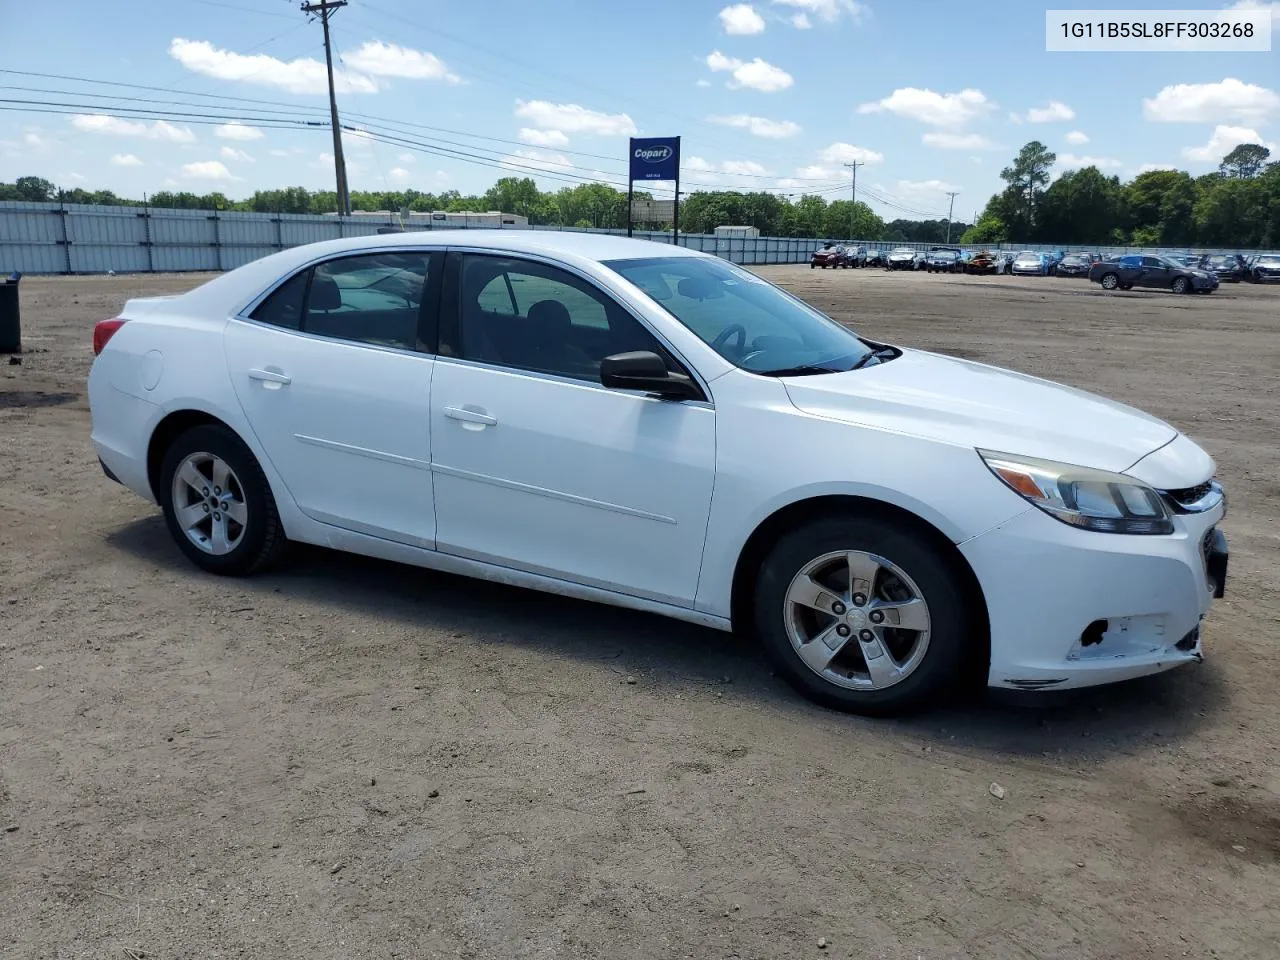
{"points": [[349, 758]]}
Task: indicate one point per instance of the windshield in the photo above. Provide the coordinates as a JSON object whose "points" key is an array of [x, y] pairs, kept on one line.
{"points": [[944, 254], [1221, 262], [898, 250], [1268, 261], [747, 320], [1165, 261]]}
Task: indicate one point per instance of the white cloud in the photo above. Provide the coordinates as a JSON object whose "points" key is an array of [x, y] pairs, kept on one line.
{"points": [[572, 118], [399, 175], [406, 158], [955, 141], [935, 109], [1055, 112], [233, 153], [235, 130], [32, 139], [1149, 167], [922, 191], [388, 60], [817, 172], [1229, 99], [206, 170], [759, 126], [125, 160], [703, 82], [828, 10], [1071, 161], [1272, 5], [839, 153], [115, 126], [801, 21], [742, 19], [543, 138], [1224, 140], [303, 75], [277, 152], [72, 177], [1077, 137], [549, 162], [747, 168], [755, 74]]}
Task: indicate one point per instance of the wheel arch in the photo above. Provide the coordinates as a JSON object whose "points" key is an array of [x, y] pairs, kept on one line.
{"points": [[170, 427], [773, 527]]}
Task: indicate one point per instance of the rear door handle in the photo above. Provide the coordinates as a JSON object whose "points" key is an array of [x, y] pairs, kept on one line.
{"points": [[270, 376], [470, 416]]}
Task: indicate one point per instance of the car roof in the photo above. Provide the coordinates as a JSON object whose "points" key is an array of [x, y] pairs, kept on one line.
{"points": [[231, 291]]}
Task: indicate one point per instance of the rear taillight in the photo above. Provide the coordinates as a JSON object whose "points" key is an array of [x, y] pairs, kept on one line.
{"points": [[103, 331]]}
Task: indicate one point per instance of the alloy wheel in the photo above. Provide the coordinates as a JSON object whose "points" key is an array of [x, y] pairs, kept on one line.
{"points": [[209, 503], [857, 620]]}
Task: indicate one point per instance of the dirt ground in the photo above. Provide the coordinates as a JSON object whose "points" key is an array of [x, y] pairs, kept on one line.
{"points": [[348, 758]]}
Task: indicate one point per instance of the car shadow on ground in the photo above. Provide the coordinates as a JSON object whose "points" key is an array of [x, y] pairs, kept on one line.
{"points": [[1119, 718]]}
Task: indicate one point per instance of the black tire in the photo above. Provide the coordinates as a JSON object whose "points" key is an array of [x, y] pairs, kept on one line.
{"points": [[1109, 281], [263, 541], [1181, 285], [1126, 286], [937, 676]]}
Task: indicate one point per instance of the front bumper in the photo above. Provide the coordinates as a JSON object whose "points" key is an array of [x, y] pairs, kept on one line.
{"points": [[1201, 283], [1074, 608]]}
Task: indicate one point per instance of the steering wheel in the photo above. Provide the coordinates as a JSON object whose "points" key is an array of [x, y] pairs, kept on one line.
{"points": [[734, 329]]}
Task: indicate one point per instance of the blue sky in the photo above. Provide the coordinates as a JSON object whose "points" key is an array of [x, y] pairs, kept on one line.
{"points": [[932, 95]]}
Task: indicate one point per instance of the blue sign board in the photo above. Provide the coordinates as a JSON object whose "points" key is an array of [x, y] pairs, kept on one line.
{"points": [[655, 158]]}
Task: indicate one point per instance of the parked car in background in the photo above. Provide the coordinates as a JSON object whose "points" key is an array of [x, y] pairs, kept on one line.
{"points": [[855, 256], [982, 262], [555, 410], [1186, 259], [1030, 262], [1265, 268], [830, 255], [1145, 270], [1229, 268], [942, 260], [902, 258], [1073, 265], [874, 258]]}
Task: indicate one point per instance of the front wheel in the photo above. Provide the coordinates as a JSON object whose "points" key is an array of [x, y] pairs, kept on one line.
{"points": [[1181, 285], [217, 503], [860, 614]]}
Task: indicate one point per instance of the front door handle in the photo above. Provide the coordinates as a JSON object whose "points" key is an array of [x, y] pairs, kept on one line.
{"points": [[467, 415], [270, 376]]}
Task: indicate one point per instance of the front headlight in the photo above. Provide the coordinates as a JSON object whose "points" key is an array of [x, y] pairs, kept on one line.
{"points": [[1081, 496]]}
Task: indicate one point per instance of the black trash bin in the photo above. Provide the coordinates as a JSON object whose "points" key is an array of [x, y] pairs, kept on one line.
{"points": [[10, 318]]}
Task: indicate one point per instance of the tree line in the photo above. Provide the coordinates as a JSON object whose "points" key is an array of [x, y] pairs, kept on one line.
{"points": [[1237, 205]]}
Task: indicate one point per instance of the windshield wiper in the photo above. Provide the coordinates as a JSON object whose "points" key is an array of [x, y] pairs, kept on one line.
{"points": [[802, 370], [880, 355]]}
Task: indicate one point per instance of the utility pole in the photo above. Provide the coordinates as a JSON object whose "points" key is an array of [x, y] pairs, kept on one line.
{"points": [[324, 9], [950, 209], [853, 206]]}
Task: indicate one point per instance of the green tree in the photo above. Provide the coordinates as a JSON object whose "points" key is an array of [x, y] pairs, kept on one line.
{"points": [[988, 230], [1028, 174], [1082, 206], [1245, 162]]}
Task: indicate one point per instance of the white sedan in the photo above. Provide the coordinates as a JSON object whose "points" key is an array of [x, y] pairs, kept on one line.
{"points": [[647, 426]]}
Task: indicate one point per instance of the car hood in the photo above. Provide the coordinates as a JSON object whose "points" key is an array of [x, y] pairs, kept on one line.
{"points": [[961, 402], [902, 256]]}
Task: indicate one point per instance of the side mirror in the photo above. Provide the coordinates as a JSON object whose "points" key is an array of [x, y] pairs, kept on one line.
{"points": [[645, 370]]}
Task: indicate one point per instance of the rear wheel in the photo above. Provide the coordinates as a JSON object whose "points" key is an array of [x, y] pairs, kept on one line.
{"points": [[1109, 281], [860, 614], [217, 503]]}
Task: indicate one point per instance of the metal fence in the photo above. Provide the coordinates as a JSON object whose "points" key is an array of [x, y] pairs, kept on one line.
{"points": [[75, 238]]}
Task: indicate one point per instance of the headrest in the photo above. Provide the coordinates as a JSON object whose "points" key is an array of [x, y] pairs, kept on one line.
{"points": [[696, 288], [550, 318], [325, 294]]}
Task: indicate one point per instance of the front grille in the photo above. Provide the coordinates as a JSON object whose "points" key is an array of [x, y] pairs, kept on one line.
{"points": [[1188, 499]]}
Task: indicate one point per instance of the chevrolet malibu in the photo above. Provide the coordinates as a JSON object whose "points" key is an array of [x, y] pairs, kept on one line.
{"points": [[652, 427]]}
